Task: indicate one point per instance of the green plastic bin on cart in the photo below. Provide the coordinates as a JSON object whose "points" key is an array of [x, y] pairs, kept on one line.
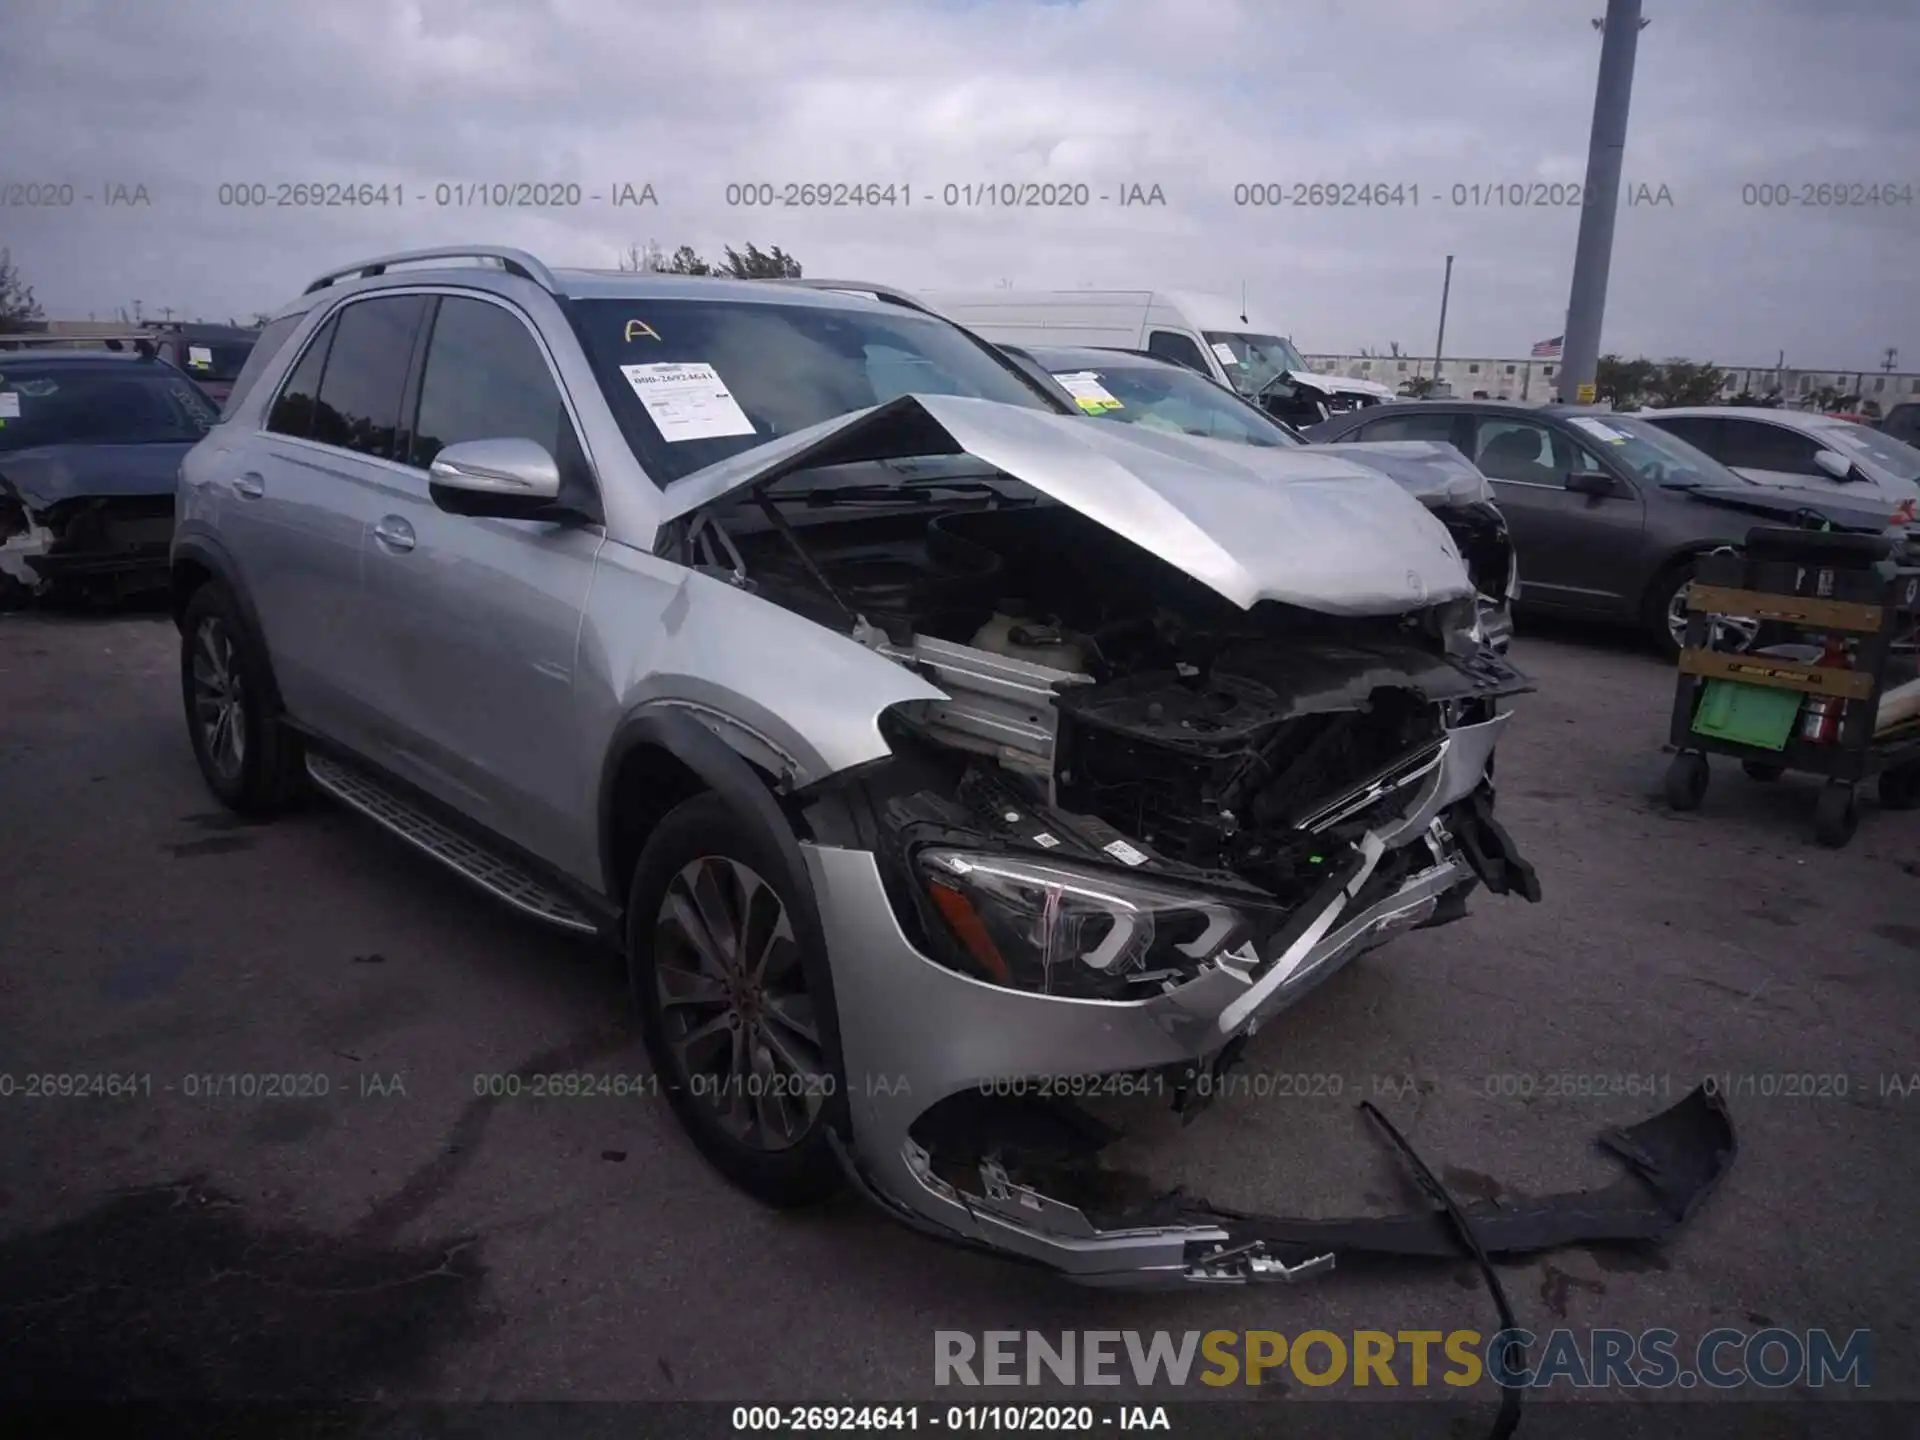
{"points": [[1756, 715]]}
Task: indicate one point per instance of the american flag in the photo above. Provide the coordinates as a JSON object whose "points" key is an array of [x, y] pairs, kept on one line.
{"points": [[1548, 349]]}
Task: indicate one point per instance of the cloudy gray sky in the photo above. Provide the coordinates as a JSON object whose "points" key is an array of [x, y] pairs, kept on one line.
{"points": [[1197, 97]]}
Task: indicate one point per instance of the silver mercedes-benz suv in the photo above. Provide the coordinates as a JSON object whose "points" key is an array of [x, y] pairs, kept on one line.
{"points": [[913, 739]]}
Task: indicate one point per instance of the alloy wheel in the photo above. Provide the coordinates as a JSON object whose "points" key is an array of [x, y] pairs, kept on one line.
{"points": [[1726, 632], [734, 1003], [218, 708]]}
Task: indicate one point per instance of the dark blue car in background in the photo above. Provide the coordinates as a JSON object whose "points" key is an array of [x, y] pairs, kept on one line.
{"points": [[90, 445]]}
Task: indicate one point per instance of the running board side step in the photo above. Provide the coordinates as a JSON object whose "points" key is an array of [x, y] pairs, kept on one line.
{"points": [[503, 878]]}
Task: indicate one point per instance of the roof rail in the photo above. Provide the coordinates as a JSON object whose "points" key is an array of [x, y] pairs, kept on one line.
{"points": [[141, 342], [862, 287], [514, 262]]}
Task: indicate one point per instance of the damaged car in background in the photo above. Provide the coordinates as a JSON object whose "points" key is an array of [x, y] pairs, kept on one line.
{"points": [[912, 736], [1160, 396], [90, 447]]}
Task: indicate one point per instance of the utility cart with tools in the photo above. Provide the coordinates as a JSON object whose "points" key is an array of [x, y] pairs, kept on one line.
{"points": [[1835, 697]]}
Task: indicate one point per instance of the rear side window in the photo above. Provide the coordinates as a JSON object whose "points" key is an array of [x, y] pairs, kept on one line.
{"points": [[264, 349], [359, 407], [1699, 431], [1431, 426], [1757, 445], [293, 412], [486, 379], [1180, 349]]}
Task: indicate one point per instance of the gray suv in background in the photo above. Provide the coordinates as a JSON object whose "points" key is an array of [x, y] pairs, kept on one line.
{"points": [[912, 737]]}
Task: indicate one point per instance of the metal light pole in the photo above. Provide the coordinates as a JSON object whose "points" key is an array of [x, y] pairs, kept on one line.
{"points": [[1440, 340], [1593, 253]]}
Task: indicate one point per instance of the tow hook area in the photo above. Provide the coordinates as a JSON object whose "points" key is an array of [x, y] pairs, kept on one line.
{"points": [[1250, 1262]]}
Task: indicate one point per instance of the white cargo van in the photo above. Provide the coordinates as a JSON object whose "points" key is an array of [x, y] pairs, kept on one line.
{"points": [[1208, 333]]}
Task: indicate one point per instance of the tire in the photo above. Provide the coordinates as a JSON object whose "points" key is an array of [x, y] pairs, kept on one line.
{"points": [[252, 762], [740, 1041], [1763, 772], [1687, 776], [1899, 788], [1836, 816]]}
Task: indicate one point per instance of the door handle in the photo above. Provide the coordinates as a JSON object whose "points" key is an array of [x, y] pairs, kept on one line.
{"points": [[250, 486], [394, 533]]}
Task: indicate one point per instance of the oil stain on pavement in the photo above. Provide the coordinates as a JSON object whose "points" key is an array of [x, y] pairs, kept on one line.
{"points": [[171, 1293]]}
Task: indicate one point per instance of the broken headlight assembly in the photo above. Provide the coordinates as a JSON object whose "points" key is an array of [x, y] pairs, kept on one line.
{"points": [[1080, 933]]}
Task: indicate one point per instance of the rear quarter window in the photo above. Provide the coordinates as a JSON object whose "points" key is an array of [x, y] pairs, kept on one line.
{"points": [[271, 340]]}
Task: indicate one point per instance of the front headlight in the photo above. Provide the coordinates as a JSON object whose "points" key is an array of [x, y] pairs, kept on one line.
{"points": [[1062, 930]]}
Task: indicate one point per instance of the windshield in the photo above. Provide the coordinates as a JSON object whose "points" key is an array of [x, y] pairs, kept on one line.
{"points": [[1170, 398], [693, 382], [216, 360], [1862, 442], [1251, 361], [1654, 456], [115, 403]]}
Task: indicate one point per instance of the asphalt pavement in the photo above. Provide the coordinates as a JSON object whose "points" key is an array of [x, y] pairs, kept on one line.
{"points": [[316, 1181]]}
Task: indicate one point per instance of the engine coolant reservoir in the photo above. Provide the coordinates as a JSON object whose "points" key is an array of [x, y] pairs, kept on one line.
{"points": [[1019, 637]]}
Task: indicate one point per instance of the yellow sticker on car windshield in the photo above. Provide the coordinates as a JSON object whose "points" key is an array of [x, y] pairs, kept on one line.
{"points": [[1088, 393], [640, 327]]}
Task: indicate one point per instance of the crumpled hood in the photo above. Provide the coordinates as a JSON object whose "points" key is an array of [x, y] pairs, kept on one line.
{"points": [[1867, 513], [1331, 535], [52, 473], [1430, 470], [1340, 384]]}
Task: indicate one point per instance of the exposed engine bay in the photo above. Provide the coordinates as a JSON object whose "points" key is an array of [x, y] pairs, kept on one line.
{"points": [[1112, 704]]}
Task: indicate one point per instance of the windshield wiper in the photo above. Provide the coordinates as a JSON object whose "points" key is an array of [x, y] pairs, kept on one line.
{"points": [[907, 491]]}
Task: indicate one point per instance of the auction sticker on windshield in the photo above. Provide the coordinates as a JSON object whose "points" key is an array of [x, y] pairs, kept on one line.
{"points": [[687, 401], [200, 357], [9, 405], [1600, 430], [1088, 393], [1224, 352]]}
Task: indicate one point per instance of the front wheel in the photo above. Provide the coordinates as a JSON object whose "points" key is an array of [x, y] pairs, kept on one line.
{"points": [[1666, 618], [248, 756], [735, 1004]]}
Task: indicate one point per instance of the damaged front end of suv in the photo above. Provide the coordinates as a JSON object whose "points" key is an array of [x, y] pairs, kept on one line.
{"points": [[1190, 740]]}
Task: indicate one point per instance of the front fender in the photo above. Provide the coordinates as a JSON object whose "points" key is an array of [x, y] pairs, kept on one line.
{"points": [[798, 699]]}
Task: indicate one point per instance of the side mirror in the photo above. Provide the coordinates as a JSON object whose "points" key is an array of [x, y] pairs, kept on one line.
{"points": [[509, 479], [1590, 482], [1835, 464]]}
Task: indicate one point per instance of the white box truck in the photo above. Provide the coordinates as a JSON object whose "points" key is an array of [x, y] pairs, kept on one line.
{"points": [[1208, 333]]}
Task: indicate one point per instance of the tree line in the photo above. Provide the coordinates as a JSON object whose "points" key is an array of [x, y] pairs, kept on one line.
{"points": [[752, 264], [1637, 384]]}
